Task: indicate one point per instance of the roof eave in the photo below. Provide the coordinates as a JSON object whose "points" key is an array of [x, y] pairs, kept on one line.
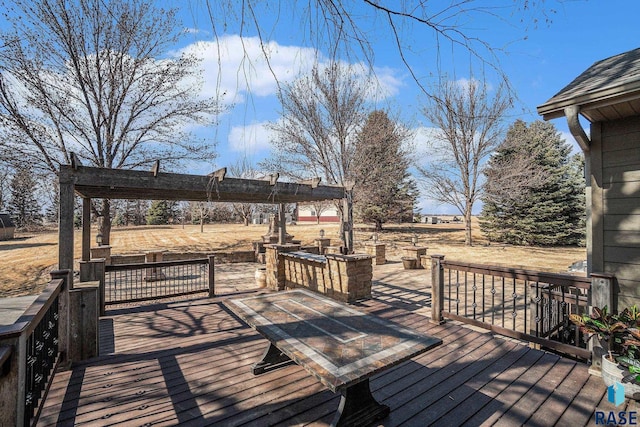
{"points": [[554, 109]]}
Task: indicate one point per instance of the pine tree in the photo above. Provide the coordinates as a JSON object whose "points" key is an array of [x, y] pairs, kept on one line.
{"points": [[534, 193], [384, 189], [160, 212], [24, 206]]}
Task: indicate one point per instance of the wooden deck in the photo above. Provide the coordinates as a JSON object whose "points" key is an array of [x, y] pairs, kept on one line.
{"points": [[188, 362]]}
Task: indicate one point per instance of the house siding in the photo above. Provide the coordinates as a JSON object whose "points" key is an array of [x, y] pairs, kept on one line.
{"points": [[616, 221]]}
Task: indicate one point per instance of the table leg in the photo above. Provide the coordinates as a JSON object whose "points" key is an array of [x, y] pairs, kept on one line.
{"points": [[272, 358], [358, 407]]}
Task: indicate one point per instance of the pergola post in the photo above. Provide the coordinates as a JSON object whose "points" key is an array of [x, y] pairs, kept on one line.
{"points": [[282, 230], [347, 220], [86, 229], [65, 229]]}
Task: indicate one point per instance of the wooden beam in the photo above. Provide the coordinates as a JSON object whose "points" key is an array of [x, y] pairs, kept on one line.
{"points": [[313, 182], [75, 161], [156, 168], [98, 183], [219, 174]]}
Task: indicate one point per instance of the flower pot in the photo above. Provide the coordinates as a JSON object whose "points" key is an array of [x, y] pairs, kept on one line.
{"points": [[409, 263], [612, 372], [261, 277]]}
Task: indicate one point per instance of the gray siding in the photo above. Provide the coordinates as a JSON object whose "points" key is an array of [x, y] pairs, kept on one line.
{"points": [[617, 222]]}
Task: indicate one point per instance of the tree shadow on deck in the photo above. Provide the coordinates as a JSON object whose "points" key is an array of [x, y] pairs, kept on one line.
{"points": [[205, 378]]}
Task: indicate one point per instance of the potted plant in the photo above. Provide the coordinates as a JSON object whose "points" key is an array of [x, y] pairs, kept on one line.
{"points": [[620, 336]]}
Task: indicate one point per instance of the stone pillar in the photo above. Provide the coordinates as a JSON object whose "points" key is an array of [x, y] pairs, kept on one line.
{"points": [[154, 273], [414, 252], [275, 266], [322, 244], [349, 277], [378, 251], [102, 252]]}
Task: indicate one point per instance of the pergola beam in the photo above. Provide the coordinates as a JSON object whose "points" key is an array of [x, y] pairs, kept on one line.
{"points": [[99, 183]]}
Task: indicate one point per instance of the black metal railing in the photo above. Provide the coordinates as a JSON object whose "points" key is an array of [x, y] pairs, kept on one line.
{"points": [[529, 305], [145, 281], [33, 342], [42, 353]]}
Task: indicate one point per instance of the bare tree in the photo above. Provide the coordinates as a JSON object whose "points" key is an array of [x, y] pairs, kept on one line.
{"points": [[94, 78], [5, 176], [349, 30], [320, 207], [200, 211], [244, 169], [321, 116], [468, 119]]}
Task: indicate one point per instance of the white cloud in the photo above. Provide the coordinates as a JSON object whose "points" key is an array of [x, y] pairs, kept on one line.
{"points": [[249, 139], [235, 66], [424, 139]]}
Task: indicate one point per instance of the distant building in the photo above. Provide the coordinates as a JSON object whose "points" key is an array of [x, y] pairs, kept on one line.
{"points": [[7, 227], [307, 213]]}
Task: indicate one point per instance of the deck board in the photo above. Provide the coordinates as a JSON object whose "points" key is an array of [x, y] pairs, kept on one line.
{"points": [[188, 362]]}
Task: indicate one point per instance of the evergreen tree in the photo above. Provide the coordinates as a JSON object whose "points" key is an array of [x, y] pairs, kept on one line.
{"points": [[384, 189], [160, 212], [23, 206], [534, 193]]}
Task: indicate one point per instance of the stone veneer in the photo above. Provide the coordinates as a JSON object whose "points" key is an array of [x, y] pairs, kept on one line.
{"points": [[341, 277], [416, 252], [378, 251]]}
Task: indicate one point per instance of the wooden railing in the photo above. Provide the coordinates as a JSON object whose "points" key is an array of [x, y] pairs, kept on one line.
{"points": [[152, 280], [529, 305], [30, 351]]}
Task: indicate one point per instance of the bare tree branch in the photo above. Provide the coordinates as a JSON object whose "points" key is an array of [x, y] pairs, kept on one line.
{"points": [[469, 123]]}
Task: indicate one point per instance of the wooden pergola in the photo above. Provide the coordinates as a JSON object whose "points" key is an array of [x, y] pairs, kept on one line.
{"points": [[100, 183]]}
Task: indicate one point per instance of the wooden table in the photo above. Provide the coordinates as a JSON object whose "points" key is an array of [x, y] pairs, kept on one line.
{"points": [[337, 344]]}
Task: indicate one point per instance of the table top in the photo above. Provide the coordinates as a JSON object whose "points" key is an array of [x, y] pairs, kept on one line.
{"points": [[336, 343]]}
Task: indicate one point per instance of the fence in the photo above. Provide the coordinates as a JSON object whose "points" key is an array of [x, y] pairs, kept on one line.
{"points": [[30, 351], [523, 304], [145, 281]]}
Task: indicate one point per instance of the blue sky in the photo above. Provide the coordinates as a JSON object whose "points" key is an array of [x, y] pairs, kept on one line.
{"points": [[539, 60]]}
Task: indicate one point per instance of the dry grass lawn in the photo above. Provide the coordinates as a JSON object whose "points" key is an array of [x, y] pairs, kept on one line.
{"points": [[27, 260]]}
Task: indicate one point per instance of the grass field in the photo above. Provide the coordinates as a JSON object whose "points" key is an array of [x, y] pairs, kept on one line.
{"points": [[27, 260]]}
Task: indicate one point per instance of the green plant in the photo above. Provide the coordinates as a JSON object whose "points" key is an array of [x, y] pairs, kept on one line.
{"points": [[620, 332]]}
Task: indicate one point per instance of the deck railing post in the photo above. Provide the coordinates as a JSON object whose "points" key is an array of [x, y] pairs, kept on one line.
{"points": [[92, 271], [437, 288], [63, 312], [212, 276], [14, 360], [602, 294]]}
